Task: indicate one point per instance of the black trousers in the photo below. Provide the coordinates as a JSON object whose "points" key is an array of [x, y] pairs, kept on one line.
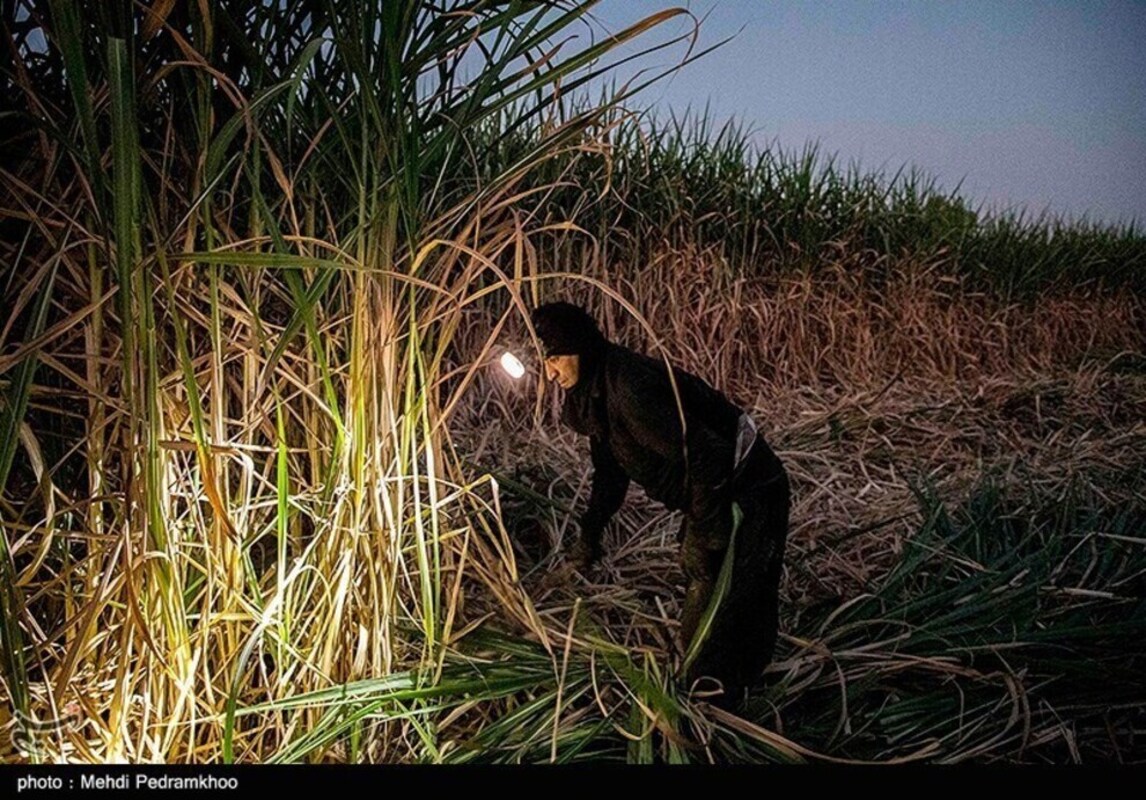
{"points": [[743, 634]]}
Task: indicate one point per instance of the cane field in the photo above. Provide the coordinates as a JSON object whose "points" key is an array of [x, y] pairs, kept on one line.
{"points": [[265, 496]]}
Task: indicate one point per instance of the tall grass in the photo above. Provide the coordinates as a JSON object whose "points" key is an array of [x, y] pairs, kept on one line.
{"points": [[263, 254], [685, 181], [256, 259]]}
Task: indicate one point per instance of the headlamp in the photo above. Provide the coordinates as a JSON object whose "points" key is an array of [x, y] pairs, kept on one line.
{"points": [[512, 365]]}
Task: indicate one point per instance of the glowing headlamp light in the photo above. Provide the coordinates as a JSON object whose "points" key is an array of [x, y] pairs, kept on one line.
{"points": [[512, 365]]}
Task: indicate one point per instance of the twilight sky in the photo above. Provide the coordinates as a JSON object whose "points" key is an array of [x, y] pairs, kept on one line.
{"points": [[1031, 103]]}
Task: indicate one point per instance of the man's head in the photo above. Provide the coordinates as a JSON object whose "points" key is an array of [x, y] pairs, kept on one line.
{"points": [[570, 337], [565, 370]]}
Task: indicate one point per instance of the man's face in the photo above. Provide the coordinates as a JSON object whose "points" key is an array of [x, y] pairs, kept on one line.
{"points": [[566, 370]]}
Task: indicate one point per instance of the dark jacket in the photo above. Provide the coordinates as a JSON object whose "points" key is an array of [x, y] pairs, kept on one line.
{"points": [[625, 403]]}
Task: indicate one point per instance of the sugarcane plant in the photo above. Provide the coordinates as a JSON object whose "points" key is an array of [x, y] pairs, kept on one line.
{"points": [[249, 236]]}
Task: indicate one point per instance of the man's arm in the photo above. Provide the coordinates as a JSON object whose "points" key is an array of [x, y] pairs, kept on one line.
{"points": [[610, 483], [653, 418]]}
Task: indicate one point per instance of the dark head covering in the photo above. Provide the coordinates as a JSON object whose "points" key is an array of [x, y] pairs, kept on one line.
{"points": [[567, 330]]}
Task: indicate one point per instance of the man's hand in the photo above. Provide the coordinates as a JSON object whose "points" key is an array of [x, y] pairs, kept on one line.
{"points": [[586, 551]]}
